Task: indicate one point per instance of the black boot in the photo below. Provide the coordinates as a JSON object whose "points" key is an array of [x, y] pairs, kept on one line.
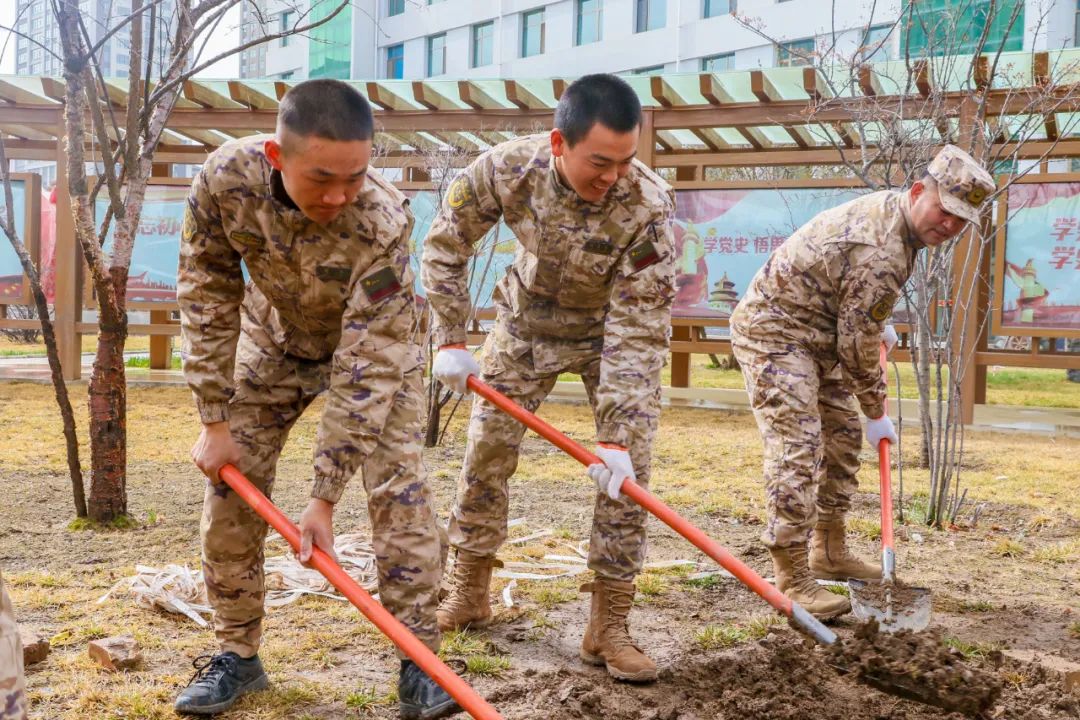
{"points": [[420, 697], [219, 681]]}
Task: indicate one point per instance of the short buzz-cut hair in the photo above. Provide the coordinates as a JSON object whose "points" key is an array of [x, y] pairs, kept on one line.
{"points": [[327, 109], [599, 98]]}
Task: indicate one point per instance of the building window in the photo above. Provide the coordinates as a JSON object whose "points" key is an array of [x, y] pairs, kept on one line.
{"points": [[796, 52], [395, 7], [713, 8], [877, 44], [532, 33], [436, 55], [589, 18], [651, 70], [287, 75], [286, 26], [949, 27], [718, 63], [395, 62], [651, 15], [483, 43]]}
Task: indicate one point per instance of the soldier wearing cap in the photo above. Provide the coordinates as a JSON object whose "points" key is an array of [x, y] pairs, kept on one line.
{"points": [[329, 308], [589, 292], [13, 705], [807, 335]]}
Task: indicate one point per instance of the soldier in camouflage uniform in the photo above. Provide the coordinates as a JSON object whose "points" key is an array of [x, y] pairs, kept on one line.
{"points": [[13, 705], [589, 292], [329, 307], [807, 335]]}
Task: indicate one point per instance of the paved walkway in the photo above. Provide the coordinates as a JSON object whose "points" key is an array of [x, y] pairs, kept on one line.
{"points": [[995, 418]]}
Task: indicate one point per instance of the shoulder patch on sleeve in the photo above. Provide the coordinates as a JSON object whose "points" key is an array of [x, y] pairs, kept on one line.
{"points": [[460, 193], [643, 255], [883, 308], [189, 228], [380, 284]]}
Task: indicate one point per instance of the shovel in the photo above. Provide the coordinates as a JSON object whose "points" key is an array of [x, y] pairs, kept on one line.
{"points": [[469, 700], [895, 606]]}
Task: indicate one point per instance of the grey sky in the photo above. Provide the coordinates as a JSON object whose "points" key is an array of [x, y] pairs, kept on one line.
{"points": [[227, 36]]}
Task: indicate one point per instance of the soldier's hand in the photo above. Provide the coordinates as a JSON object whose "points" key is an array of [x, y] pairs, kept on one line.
{"points": [[453, 366], [616, 470], [316, 528], [214, 448], [880, 429], [890, 338]]}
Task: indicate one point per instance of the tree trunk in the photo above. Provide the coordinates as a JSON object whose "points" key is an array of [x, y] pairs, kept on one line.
{"points": [[108, 417]]}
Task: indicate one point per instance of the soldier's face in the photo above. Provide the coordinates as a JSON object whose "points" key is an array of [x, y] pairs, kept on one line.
{"points": [[322, 176], [596, 162], [934, 225]]}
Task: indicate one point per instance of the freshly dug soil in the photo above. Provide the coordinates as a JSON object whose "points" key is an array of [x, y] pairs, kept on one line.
{"points": [[917, 666], [875, 593]]}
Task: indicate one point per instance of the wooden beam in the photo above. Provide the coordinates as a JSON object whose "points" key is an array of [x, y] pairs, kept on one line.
{"points": [[386, 99], [558, 87], [981, 73], [763, 87], [843, 132], [520, 95], [923, 81], [869, 84], [755, 137], [1051, 126], [712, 90], [54, 88], [1040, 69], [9, 92], [491, 137], [800, 136], [474, 96], [414, 140], [431, 98], [248, 96], [712, 139], [663, 93], [667, 140], [30, 133], [202, 95], [458, 140], [815, 85]]}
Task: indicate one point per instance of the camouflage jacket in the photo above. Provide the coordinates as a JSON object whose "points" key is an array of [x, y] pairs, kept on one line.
{"points": [[342, 294], [586, 278], [832, 285]]}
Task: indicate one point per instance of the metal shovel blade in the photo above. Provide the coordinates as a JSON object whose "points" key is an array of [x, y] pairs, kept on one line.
{"points": [[895, 607]]}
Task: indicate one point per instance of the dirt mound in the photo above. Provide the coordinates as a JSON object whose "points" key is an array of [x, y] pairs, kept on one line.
{"points": [[917, 666], [783, 677]]}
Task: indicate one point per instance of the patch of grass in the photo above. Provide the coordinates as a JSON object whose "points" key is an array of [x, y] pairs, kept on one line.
{"points": [[867, 529], [761, 625], [651, 585], [1016, 679], [463, 642], [144, 362], [970, 650], [838, 590], [716, 637], [37, 578], [487, 665], [1074, 629], [541, 621], [549, 593], [120, 522], [702, 583], [78, 635], [1007, 547], [363, 699], [1058, 553]]}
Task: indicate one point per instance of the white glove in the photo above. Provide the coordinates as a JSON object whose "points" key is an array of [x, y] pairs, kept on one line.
{"points": [[453, 366], [880, 429], [890, 338], [617, 468]]}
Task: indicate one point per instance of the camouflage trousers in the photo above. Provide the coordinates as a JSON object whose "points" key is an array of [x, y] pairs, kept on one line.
{"points": [[272, 390], [13, 705], [478, 520], [809, 423]]}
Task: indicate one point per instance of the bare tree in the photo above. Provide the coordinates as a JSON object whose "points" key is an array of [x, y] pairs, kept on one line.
{"points": [[962, 88], [127, 143]]}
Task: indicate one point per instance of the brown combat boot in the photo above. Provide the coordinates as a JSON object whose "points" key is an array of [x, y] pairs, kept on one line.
{"points": [[830, 558], [794, 580], [607, 640], [467, 603]]}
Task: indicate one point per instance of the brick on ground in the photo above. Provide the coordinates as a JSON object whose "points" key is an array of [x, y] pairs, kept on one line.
{"points": [[120, 652], [1068, 671], [35, 648]]}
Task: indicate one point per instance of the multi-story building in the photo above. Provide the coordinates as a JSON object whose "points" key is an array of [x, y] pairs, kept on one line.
{"points": [[414, 39]]}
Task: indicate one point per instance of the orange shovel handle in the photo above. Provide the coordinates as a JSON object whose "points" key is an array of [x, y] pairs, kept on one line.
{"points": [[888, 551], [661, 510], [389, 625]]}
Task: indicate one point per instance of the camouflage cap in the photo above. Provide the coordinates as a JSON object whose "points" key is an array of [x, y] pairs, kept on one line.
{"points": [[963, 184]]}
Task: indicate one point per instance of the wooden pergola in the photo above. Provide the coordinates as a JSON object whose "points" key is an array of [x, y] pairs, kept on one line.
{"points": [[692, 122]]}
